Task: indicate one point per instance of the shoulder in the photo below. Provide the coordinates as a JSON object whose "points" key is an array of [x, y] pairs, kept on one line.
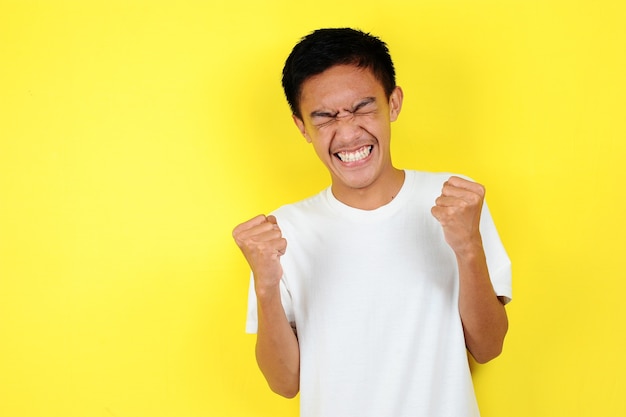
{"points": [[302, 210], [434, 178], [428, 184]]}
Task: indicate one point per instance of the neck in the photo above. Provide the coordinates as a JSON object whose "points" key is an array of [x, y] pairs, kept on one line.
{"points": [[373, 196]]}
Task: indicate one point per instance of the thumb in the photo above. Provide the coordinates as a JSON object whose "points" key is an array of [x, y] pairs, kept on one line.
{"points": [[272, 219]]}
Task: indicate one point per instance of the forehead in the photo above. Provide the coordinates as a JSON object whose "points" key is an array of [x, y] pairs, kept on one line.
{"points": [[339, 87]]}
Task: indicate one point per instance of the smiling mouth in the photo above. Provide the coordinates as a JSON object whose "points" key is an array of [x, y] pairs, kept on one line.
{"points": [[355, 156]]}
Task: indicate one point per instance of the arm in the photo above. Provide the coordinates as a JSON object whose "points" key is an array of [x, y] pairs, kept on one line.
{"points": [[277, 350], [483, 315]]}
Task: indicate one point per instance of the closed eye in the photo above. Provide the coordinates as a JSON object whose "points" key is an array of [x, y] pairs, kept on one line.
{"points": [[365, 106], [324, 118], [321, 119]]}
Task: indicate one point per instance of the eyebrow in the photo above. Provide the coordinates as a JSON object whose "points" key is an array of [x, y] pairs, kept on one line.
{"points": [[363, 103], [359, 105]]}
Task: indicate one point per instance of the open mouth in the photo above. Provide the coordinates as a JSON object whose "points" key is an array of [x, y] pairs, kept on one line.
{"points": [[355, 156]]}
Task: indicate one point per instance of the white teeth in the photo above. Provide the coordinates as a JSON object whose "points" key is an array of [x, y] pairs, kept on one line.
{"points": [[356, 155]]}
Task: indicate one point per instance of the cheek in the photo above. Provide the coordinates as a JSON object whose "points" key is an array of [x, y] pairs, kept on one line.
{"points": [[377, 129], [321, 149]]}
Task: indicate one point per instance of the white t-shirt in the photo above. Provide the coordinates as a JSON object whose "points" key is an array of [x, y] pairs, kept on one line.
{"points": [[374, 298]]}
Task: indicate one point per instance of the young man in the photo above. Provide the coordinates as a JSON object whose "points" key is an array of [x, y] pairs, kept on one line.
{"points": [[367, 296]]}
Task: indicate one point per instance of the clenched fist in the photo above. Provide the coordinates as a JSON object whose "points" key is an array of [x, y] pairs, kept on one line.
{"points": [[262, 244], [458, 210]]}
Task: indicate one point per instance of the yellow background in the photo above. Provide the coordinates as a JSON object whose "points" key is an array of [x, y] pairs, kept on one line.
{"points": [[134, 135]]}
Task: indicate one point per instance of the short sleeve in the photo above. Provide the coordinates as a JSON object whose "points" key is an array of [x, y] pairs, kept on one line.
{"points": [[252, 321], [498, 261]]}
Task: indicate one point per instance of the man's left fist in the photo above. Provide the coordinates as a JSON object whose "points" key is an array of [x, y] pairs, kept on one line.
{"points": [[458, 211]]}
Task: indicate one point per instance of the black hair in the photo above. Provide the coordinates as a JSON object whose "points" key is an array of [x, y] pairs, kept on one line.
{"points": [[325, 48]]}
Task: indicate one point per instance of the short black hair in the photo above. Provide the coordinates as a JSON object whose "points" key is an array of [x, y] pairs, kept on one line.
{"points": [[325, 48]]}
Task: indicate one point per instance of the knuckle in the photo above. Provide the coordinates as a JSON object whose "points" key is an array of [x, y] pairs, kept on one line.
{"points": [[476, 199]]}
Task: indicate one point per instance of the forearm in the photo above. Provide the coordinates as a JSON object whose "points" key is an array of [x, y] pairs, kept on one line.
{"points": [[277, 350], [484, 318]]}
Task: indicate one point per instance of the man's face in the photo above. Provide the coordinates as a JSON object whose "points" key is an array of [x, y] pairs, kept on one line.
{"points": [[346, 116]]}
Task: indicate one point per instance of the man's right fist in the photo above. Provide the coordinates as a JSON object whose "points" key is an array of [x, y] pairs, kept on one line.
{"points": [[262, 244]]}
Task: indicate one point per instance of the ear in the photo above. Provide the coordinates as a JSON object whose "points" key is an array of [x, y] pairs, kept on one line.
{"points": [[395, 103], [300, 124]]}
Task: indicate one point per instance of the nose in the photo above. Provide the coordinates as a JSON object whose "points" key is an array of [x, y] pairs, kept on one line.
{"points": [[346, 126]]}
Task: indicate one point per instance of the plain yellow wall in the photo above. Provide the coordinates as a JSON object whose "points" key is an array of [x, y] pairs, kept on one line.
{"points": [[134, 135]]}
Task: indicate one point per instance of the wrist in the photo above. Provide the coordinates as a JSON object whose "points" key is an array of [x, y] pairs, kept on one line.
{"points": [[470, 251], [266, 293]]}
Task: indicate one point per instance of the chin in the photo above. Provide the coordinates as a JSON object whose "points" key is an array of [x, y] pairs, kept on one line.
{"points": [[357, 182]]}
